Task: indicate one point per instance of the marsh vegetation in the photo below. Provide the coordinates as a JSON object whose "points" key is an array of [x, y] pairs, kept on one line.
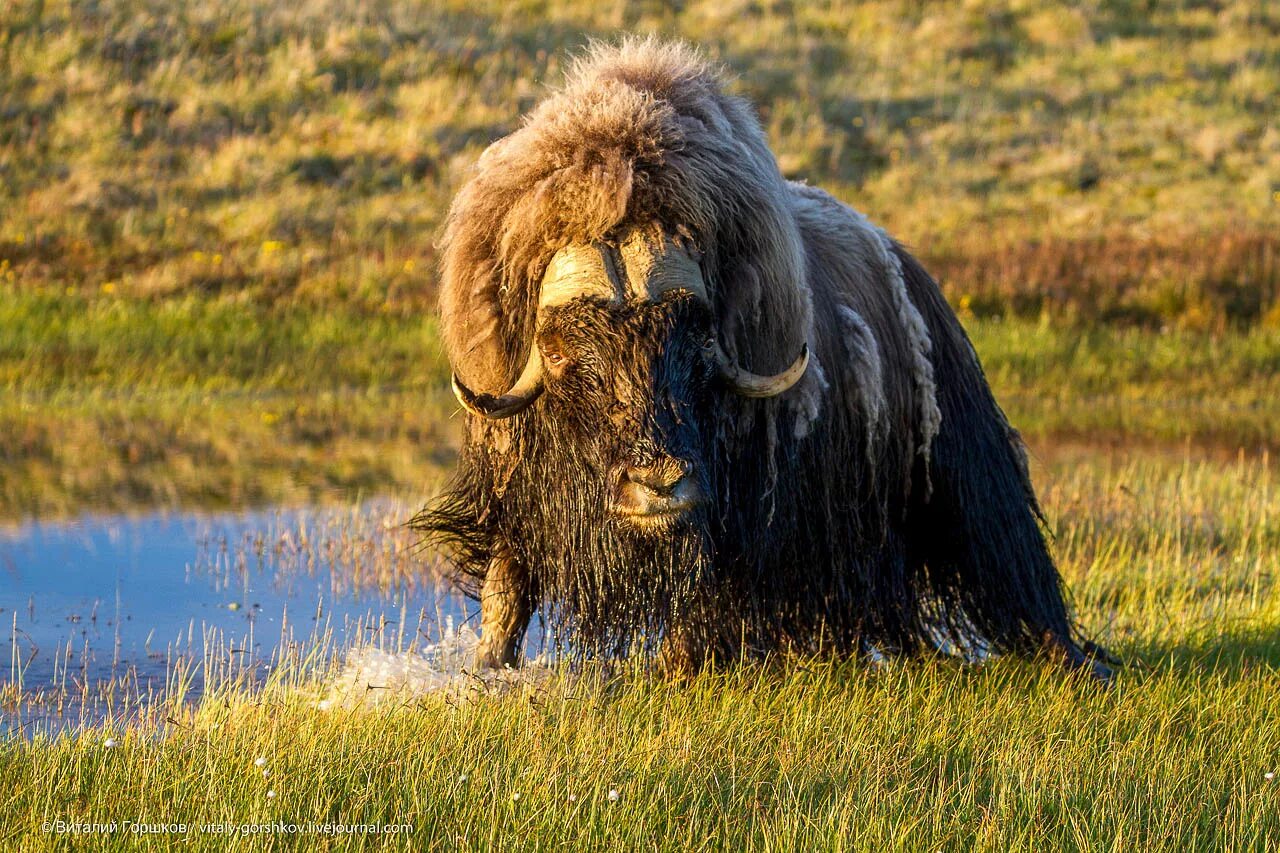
{"points": [[216, 280]]}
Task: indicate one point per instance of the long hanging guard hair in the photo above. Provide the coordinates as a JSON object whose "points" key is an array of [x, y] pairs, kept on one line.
{"points": [[885, 500]]}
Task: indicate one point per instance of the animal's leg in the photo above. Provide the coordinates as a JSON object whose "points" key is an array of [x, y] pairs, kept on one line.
{"points": [[680, 656], [695, 644], [505, 608]]}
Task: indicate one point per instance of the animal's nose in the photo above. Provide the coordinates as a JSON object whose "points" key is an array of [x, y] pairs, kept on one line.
{"points": [[661, 478], [661, 490]]}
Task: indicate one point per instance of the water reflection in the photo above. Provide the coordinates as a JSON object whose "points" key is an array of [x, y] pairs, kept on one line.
{"points": [[105, 599]]}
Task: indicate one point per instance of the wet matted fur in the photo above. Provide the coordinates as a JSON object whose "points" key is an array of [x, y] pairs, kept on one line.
{"points": [[883, 500]]}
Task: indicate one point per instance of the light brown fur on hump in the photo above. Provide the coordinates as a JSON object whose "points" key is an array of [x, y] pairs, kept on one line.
{"points": [[869, 334]]}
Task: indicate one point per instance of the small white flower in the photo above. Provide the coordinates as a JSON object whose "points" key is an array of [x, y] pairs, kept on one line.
{"points": [[462, 777], [614, 795], [324, 705], [271, 794], [573, 798], [265, 773], [109, 742], [515, 798], [259, 762], [1268, 776]]}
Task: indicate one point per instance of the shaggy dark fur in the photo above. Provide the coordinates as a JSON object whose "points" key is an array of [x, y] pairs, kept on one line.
{"points": [[885, 500]]}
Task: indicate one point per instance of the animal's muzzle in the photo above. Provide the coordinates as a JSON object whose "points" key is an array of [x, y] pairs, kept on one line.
{"points": [[659, 491]]}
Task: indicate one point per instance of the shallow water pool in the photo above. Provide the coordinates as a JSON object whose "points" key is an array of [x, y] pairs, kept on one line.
{"points": [[130, 600]]}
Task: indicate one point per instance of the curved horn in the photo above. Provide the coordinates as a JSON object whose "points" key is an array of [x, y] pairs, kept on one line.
{"points": [[516, 400], [753, 385], [572, 272]]}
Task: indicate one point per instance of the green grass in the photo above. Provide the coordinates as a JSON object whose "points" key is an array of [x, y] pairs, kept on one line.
{"points": [[57, 343], [1173, 561], [811, 757], [1108, 385]]}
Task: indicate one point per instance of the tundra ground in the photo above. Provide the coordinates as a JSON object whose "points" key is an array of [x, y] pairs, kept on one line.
{"points": [[216, 275]]}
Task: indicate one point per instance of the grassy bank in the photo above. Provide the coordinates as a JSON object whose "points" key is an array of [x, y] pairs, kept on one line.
{"points": [[1173, 561], [813, 757], [1115, 161]]}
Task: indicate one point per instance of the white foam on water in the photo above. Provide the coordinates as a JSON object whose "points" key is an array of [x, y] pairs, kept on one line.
{"points": [[372, 676]]}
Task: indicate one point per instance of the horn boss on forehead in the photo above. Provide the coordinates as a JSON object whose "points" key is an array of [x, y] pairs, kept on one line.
{"points": [[640, 266]]}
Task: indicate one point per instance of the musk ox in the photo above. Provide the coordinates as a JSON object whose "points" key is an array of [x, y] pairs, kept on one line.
{"points": [[714, 413]]}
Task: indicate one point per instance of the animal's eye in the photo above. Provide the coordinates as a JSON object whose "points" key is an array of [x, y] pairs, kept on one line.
{"points": [[555, 358], [709, 345]]}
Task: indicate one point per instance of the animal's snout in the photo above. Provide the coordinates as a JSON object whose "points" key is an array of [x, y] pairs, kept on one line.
{"points": [[661, 479], [662, 489]]}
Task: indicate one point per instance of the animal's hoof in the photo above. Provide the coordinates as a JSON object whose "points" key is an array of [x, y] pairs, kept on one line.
{"points": [[494, 659], [1102, 674], [1092, 664], [1100, 653]]}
